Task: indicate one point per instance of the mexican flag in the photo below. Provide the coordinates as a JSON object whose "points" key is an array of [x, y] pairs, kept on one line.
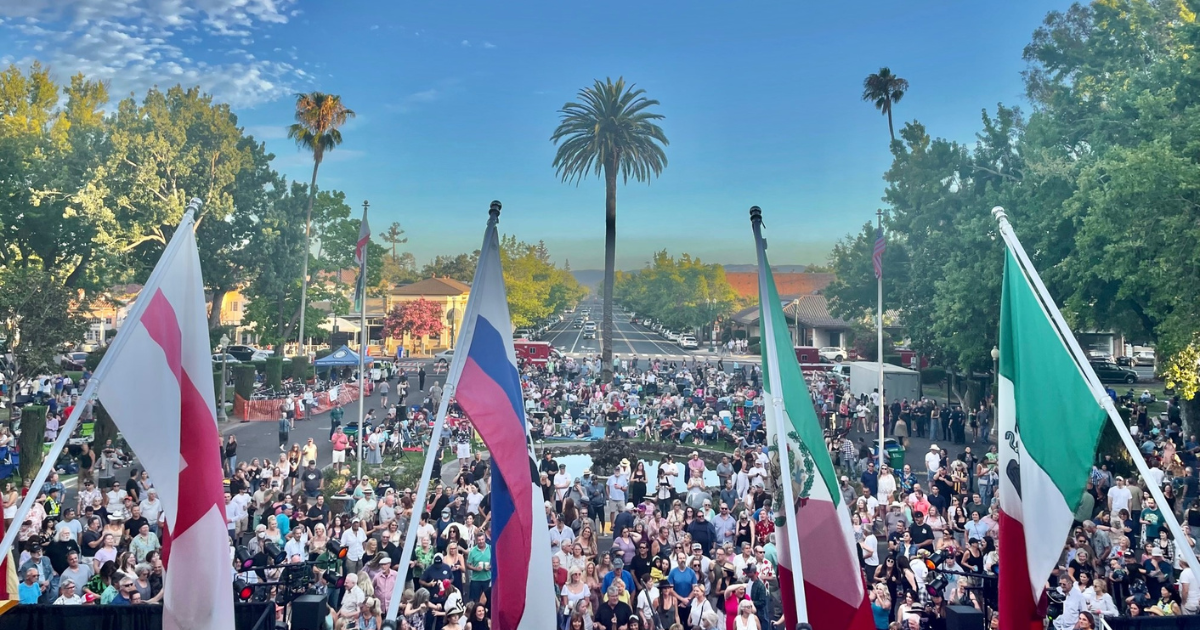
{"points": [[1049, 423], [819, 576]]}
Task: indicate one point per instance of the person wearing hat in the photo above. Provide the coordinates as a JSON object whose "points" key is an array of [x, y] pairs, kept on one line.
{"points": [[384, 581], [618, 572], [595, 495], [618, 484], [933, 462], [353, 540]]}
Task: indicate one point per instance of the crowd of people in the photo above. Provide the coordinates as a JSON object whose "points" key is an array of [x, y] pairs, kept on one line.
{"points": [[635, 546]]}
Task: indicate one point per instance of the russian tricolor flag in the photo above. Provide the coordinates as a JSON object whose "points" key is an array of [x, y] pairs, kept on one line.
{"points": [[488, 389]]}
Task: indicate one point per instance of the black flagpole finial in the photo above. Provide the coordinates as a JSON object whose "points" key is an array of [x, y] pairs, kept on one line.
{"points": [[494, 210]]}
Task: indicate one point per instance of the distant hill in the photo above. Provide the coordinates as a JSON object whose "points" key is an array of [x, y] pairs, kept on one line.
{"points": [[589, 277], [776, 268]]}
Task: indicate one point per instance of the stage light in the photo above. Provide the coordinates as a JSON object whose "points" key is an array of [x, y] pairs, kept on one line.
{"points": [[245, 559], [333, 579], [934, 560], [335, 549], [937, 585], [243, 590], [274, 552]]}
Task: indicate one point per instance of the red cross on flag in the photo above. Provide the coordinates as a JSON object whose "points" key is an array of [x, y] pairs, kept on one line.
{"points": [[159, 392]]}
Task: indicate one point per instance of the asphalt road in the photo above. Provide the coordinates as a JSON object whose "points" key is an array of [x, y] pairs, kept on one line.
{"points": [[628, 339], [261, 439]]}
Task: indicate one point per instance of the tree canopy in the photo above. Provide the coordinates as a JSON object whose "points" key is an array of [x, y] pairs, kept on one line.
{"points": [[1100, 182], [683, 293]]}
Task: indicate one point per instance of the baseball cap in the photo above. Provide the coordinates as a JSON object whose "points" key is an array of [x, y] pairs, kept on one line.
{"points": [[697, 546]]}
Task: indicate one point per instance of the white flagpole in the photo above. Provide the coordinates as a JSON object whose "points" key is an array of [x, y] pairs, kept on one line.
{"points": [[776, 402], [879, 332], [64, 433], [362, 349], [1102, 398]]}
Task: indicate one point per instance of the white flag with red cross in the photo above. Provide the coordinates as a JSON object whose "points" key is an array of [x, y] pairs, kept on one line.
{"points": [[158, 389]]}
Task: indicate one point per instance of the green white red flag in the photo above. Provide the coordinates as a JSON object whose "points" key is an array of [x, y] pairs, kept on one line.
{"points": [[819, 575], [1050, 421]]}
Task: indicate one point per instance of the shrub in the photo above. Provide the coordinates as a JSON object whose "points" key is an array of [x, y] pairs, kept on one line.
{"points": [[217, 384], [893, 359], [933, 375], [754, 348], [300, 368], [259, 366], [243, 380], [321, 354], [76, 376], [274, 372]]}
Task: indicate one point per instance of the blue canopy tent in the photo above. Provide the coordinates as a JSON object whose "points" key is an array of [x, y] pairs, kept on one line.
{"points": [[342, 357]]}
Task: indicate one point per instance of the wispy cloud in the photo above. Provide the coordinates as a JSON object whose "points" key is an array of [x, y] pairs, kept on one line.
{"points": [[466, 43], [135, 44], [426, 96], [488, 45]]}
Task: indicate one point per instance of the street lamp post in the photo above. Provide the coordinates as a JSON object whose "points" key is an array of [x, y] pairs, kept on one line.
{"points": [[995, 385], [452, 315], [796, 321], [221, 416]]}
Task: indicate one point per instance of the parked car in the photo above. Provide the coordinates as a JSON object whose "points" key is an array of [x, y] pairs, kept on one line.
{"points": [[830, 353], [1143, 357], [228, 358], [242, 353], [74, 360], [1110, 372], [688, 341], [445, 356]]}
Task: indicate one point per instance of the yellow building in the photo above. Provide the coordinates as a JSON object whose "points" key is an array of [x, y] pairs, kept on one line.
{"points": [[449, 293]]}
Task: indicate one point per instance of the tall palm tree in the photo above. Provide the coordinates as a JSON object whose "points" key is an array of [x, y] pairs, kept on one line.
{"points": [[884, 89], [609, 132], [318, 119]]}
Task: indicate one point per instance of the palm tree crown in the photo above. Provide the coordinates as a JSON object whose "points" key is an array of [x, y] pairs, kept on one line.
{"points": [[611, 126], [884, 89], [318, 117], [610, 130]]}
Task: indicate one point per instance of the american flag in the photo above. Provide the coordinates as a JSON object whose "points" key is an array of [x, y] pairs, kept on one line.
{"points": [[877, 257]]}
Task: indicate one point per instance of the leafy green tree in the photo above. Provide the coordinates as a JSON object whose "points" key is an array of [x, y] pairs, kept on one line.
{"points": [[536, 287], [683, 293], [38, 319], [53, 208], [460, 267], [394, 235], [884, 89], [612, 132], [319, 118]]}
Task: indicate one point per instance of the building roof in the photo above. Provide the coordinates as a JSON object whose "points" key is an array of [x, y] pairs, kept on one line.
{"points": [[745, 283], [434, 287], [812, 311]]}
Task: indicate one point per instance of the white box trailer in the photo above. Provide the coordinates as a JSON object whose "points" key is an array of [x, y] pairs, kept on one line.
{"points": [[898, 383]]}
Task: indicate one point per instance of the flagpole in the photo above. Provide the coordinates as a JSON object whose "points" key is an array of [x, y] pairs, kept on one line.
{"points": [[1098, 392], [362, 349], [776, 389], [879, 347], [89, 392]]}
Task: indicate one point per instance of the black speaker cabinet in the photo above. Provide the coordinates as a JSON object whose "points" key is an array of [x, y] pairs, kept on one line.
{"points": [[308, 612], [964, 618]]}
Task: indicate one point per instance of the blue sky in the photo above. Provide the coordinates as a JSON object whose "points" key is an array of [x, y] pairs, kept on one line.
{"points": [[456, 103]]}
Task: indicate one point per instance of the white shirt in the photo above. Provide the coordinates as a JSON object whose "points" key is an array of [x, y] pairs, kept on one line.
{"points": [[562, 483], [1119, 497], [353, 542], [1157, 473], [933, 461], [870, 546], [1193, 596]]}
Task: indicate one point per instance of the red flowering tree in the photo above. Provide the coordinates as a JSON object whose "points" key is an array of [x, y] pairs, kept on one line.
{"points": [[418, 318]]}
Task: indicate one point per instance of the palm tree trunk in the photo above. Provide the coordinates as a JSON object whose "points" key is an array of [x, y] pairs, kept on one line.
{"points": [[610, 263], [890, 130], [312, 195]]}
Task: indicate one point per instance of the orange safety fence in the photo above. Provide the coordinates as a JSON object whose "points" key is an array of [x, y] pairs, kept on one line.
{"points": [[269, 409]]}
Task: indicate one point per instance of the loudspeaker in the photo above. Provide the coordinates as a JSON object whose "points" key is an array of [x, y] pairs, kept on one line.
{"points": [[308, 612], [964, 618]]}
